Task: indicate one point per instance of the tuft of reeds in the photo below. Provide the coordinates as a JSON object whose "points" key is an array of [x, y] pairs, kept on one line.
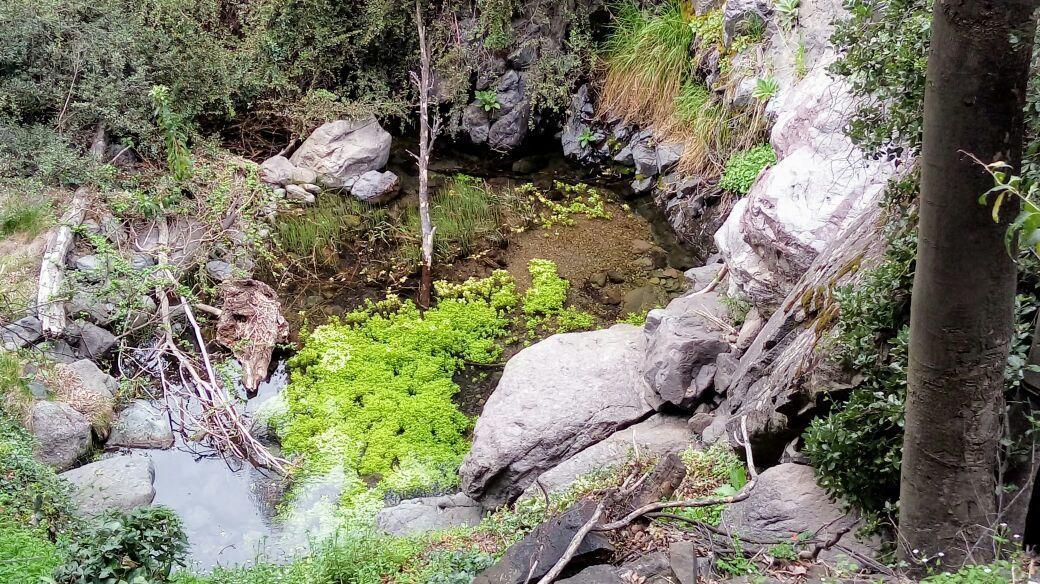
{"points": [[467, 214], [647, 61], [318, 233]]}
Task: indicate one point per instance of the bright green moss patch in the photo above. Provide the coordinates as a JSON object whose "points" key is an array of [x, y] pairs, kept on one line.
{"points": [[373, 392], [544, 309], [743, 167], [26, 555]]}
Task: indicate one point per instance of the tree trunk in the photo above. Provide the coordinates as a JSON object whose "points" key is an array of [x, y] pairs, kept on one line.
{"points": [[963, 294], [427, 134]]}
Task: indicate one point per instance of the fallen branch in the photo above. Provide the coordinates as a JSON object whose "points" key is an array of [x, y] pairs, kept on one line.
{"points": [[50, 306]]}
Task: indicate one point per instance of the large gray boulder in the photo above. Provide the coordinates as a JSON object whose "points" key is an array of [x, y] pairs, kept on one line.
{"points": [[682, 342], [120, 482], [62, 434], [787, 502], [654, 437], [376, 187], [89, 390], [429, 514], [556, 398], [90, 340], [343, 150], [141, 425]]}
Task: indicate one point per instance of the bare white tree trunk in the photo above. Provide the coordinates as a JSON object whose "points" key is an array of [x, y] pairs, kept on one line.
{"points": [[50, 306], [427, 134]]}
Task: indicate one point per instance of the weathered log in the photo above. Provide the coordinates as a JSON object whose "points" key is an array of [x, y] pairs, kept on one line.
{"points": [[50, 306]]}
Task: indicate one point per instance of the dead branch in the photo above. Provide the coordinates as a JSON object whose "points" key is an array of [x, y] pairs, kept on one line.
{"points": [[50, 306], [572, 548]]}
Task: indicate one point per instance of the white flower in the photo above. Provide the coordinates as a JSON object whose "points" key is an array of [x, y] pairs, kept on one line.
{"points": [[941, 554], [987, 570], [916, 550]]}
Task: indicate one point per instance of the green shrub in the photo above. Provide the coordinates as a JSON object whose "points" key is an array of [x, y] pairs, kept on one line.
{"points": [[857, 449], [452, 567], [26, 555], [743, 168], [30, 492], [142, 545], [714, 472], [883, 52]]}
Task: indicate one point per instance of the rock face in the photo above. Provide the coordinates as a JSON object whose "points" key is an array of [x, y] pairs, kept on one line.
{"points": [[682, 344], [429, 514], [545, 545], [787, 502], [120, 482], [656, 436], [62, 432], [555, 399], [343, 150], [376, 187], [141, 425], [21, 333], [820, 185]]}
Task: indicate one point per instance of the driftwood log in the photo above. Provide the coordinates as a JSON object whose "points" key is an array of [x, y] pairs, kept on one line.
{"points": [[50, 306]]}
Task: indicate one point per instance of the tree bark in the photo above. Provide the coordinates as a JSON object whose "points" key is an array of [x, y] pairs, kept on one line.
{"points": [[963, 293], [427, 135]]}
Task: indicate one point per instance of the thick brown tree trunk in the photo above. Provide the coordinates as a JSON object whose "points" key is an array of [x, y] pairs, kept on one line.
{"points": [[963, 294]]}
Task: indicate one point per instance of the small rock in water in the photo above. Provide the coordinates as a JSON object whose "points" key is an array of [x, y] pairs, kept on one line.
{"points": [[120, 482], [141, 425]]}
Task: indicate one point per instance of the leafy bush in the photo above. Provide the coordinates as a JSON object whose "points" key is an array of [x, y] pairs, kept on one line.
{"points": [[453, 567], [743, 168], [883, 54], [714, 472], [857, 449], [142, 545], [30, 492]]}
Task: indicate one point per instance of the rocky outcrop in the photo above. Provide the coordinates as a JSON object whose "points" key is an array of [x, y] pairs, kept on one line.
{"points": [[141, 425], [787, 502], [119, 482], [429, 514], [682, 342], [341, 151], [555, 399], [62, 434], [655, 437]]}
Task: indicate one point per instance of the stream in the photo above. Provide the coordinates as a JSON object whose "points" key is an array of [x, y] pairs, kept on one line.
{"points": [[235, 514]]}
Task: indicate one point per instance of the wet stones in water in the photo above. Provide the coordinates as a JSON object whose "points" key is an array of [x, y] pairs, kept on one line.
{"points": [[141, 425], [62, 434]]}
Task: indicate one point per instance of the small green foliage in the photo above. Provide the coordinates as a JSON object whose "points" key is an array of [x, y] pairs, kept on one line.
{"points": [[691, 101], [543, 305], [788, 11], [578, 200], [634, 318], [451, 567], [801, 67], [737, 306], [744, 167], [765, 88], [22, 214], [586, 137], [26, 555], [785, 552], [30, 492], [715, 472], [736, 563], [174, 133], [488, 99], [142, 545], [998, 572]]}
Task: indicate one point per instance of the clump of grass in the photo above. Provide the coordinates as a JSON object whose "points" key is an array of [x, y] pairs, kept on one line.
{"points": [[647, 60], [318, 233], [21, 215], [466, 213]]}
